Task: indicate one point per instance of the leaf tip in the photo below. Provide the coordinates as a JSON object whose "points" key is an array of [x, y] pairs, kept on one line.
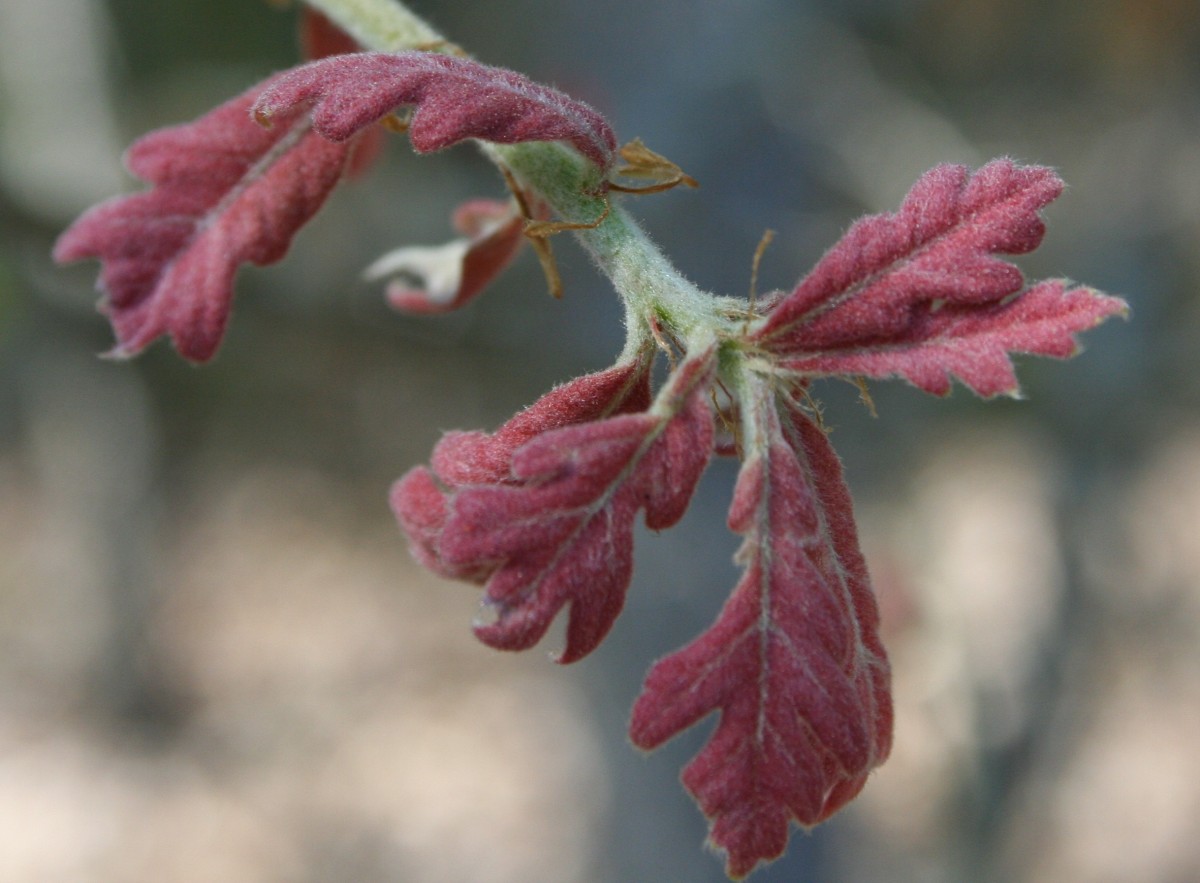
{"points": [[66, 248], [119, 353], [1110, 306]]}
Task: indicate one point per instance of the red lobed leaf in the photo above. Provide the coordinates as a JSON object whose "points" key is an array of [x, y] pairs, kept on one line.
{"points": [[455, 99], [557, 528], [920, 294], [419, 502], [973, 343], [464, 459], [226, 192], [793, 663]]}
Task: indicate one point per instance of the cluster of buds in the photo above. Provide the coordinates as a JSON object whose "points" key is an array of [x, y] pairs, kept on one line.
{"points": [[541, 512]]}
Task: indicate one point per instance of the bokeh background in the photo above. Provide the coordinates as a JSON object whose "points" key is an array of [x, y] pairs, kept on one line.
{"points": [[217, 661]]}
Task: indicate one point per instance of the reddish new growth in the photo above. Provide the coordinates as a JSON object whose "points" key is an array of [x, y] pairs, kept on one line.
{"points": [[541, 512], [794, 661], [229, 191]]}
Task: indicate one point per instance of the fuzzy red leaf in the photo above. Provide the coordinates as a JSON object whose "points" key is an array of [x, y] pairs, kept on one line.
{"points": [[793, 663], [920, 293], [455, 99], [226, 192], [559, 530], [455, 273], [465, 459], [973, 343], [321, 38]]}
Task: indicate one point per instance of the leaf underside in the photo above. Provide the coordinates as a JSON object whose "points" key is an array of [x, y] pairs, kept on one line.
{"points": [[450, 276]]}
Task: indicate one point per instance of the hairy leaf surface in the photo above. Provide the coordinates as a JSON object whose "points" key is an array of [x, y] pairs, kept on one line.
{"points": [[793, 663], [460, 460], [226, 192], [920, 293], [560, 530], [455, 99], [971, 342]]}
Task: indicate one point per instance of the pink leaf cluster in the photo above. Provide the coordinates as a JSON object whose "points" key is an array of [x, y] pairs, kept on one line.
{"points": [[547, 519], [794, 663], [542, 511], [228, 190], [920, 293]]}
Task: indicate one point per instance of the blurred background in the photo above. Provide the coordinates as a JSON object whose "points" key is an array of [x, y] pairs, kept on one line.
{"points": [[217, 661]]}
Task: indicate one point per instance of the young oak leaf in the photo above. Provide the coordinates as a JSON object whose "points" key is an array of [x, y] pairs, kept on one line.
{"points": [[971, 342], [560, 531], [455, 99], [225, 192], [793, 663], [455, 273], [466, 459], [920, 294]]}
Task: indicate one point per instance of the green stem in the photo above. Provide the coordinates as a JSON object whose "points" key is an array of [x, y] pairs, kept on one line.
{"points": [[383, 25], [647, 281]]}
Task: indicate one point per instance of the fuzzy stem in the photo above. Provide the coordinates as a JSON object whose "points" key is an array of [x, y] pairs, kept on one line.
{"points": [[647, 281], [383, 25]]}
